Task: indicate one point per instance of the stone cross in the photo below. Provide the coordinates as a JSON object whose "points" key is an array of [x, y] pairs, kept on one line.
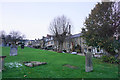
{"points": [[13, 50], [88, 61]]}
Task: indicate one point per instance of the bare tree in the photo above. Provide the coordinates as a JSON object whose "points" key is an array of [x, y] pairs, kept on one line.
{"points": [[60, 28], [2, 37], [15, 36], [2, 34]]}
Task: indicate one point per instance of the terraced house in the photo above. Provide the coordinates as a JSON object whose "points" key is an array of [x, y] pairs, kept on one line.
{"points": [[76, 43], [72, 43], [47, 42]]}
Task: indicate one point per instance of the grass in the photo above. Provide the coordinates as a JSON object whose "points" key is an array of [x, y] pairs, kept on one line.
{"points": [[55, 68]]}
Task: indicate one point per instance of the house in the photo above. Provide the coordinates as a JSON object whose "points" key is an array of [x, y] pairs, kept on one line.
{"points": [[74, 43], [77, 43], [37, 43], [47, 42], [26, 42], [29, 43]]}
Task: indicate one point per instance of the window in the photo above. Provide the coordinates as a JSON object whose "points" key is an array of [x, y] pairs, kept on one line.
{"points": [[51, 42], [85, 49], [68, 45]]}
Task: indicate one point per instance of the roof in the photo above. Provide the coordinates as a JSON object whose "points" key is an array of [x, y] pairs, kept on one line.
{"points": [[74, 36]]}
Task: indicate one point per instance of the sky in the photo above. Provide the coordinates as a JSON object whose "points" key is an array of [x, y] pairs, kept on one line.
{"points": [[33, 18]]}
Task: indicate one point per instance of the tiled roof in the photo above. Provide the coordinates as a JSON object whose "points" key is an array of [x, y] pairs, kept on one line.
{"points": [[74, 36]]}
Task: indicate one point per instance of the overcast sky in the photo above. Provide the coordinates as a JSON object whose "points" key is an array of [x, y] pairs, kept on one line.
{"points": [[33, 18]]}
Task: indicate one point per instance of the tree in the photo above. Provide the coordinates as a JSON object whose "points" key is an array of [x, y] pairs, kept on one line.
{"points": [[101, 26], [8, 38], [60, 27], [15, 36], [2, 37], [2, 34]]}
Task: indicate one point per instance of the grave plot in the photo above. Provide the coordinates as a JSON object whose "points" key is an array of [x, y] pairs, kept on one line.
{"points": [[33, 63], [70, 66]]}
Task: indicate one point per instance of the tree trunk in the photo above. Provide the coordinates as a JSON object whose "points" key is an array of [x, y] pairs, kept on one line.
{"points": [[60, 46]]}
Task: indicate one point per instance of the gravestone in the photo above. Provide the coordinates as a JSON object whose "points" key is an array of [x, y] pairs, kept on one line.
{"points": [[3, 42], [7, 45], [13, 50], [88, 61], [2, 63], [22, 46]]}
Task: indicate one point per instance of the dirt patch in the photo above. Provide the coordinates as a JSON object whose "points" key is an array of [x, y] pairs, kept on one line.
{"points": [[70, 66]]}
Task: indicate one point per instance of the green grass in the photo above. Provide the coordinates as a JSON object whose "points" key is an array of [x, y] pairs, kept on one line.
{"points": [[55, 68]]}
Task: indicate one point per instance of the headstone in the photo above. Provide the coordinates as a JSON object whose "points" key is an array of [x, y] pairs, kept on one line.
{"points": [[2, 63], [22, 46], [3, 41], [88, 61], [13, 50], [7, 45]]}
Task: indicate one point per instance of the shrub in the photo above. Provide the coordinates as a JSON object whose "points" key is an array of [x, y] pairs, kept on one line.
{"points": [[78, 48], [64, 51], [73, 48], [109, 59], [105, 58], [78, 51]]}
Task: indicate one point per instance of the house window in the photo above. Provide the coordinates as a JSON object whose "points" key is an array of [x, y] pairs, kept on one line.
{"points": [[85, 49], [76, 44], [68, 46], [51, 42], [51, 38]]}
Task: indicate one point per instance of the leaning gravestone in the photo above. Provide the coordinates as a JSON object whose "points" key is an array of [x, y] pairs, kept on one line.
{"points": [[13, 50], [88, 61]]}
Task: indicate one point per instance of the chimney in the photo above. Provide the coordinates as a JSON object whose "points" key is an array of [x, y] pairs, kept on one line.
{"points": [[69, 30]]}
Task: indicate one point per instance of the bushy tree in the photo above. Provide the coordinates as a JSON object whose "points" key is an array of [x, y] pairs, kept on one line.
{"points": [[2, 34], [102, 26]]}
